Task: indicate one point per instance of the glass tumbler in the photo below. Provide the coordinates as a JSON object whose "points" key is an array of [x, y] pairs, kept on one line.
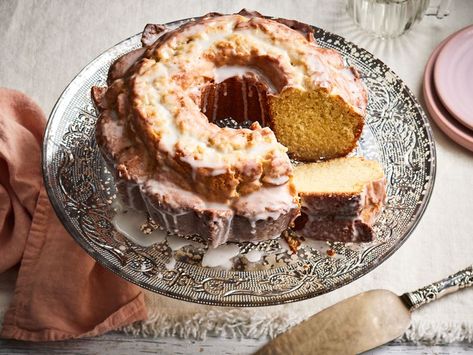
{"points": [[392, 18]]}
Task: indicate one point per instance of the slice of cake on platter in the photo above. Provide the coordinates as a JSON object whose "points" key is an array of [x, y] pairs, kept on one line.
{"points": [[340, 199]]}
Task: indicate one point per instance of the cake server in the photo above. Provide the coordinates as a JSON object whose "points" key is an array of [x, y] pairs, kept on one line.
{"points": [[364, 321]]}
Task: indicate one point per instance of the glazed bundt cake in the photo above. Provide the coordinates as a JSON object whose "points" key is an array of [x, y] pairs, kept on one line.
{"points": [[340, 199], [157, 125]]}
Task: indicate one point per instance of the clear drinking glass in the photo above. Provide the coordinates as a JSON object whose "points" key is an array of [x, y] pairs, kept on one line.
{"points": [[392, 18]]}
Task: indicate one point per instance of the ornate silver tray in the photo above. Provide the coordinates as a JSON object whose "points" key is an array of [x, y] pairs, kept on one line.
{"points": [[82, 192]]}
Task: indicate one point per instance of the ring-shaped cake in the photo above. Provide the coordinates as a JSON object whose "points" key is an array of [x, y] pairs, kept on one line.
{"points": [[157, 128]]}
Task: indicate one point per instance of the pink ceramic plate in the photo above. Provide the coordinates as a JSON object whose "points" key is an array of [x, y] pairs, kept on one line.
{"points": [[453, 76], [444, 120]]}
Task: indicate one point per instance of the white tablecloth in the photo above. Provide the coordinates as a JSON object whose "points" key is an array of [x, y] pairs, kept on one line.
{"points": [[45, 44]]}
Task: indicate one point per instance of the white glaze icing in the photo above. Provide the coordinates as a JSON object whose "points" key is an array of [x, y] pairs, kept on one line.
{"points": [[254, 255], [220, 256], [228, 71], [128, 223], [175, 242], [266, 203]]}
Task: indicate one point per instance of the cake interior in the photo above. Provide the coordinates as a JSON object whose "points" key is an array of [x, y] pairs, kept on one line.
{"points": [[342, 175], [313, 124]]}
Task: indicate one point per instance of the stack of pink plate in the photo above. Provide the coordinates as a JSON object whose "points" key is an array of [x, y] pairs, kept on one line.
{"points": [[448, 87]]}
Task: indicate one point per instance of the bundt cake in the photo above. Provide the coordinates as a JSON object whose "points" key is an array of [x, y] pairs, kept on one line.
{"points": [[157, 125], [340, 199]]}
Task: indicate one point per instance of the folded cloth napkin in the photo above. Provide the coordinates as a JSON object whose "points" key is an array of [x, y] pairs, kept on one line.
{"points": [[60, 292]]}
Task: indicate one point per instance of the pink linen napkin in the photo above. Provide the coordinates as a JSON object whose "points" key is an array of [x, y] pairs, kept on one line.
{"points": [[61, 292]]}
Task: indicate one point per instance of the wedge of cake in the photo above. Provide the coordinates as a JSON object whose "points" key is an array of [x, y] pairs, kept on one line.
{"points": [[340, 199]]}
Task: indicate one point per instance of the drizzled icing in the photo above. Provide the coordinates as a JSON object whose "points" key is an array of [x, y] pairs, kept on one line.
{"points": [[176, 243], [267, 202], [211, 50], [262, 205], [228, 71], [128, 223], [161, 95], [220, 256]]}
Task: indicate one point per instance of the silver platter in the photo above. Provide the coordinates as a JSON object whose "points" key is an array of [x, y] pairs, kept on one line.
{"points": [[82, 192]]}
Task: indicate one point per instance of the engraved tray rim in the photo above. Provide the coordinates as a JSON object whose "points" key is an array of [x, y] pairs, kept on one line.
{"points": [[257, 301]]}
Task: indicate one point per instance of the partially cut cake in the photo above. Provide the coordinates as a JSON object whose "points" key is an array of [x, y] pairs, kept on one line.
{"points": [[340, 199], [157, 131]]}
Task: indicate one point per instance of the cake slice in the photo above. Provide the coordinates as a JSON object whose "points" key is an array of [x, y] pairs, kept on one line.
{"points": [[340, 199], [315, 124]]}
